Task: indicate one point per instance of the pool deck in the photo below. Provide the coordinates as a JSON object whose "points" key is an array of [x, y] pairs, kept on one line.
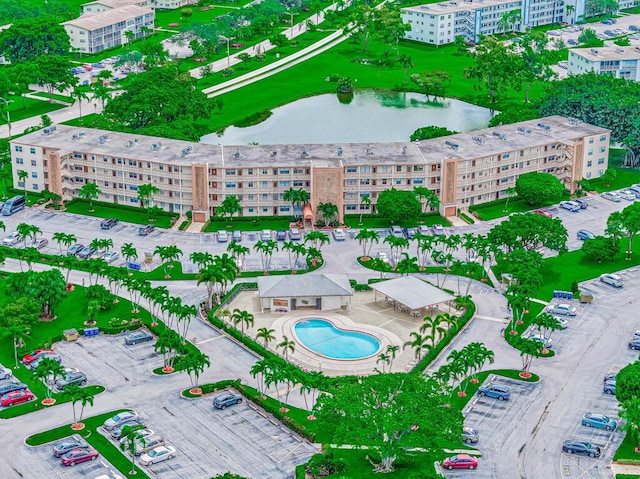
{"points": [[389, 326]]}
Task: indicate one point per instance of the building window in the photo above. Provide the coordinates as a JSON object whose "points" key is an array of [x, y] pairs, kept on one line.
{"points": [[285, 184], [32, 150], [77, 155], [34, 163], [133, 199], [603, 137], [601, 161], [18, 149], [230, 184], [590, 151], [352, 169], [230, 172], [589, 163], [249, 184], [418, 181], [34, 174], [351, 207], [265, 209], [365, 169], [35, 187], [285, 209], [19, 161], [284, 171], [588, 175], [265, 184], [250, 209], [398, 181], [250, 171], [591, 140], [603, 149]]}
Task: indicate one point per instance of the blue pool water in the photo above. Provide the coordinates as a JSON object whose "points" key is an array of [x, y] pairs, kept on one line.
{"points": [[322, 337]]}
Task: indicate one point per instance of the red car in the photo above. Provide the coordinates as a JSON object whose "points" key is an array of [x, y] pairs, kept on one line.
{"points": [[461, 461], [543, 213], [79, 455], [16, 397], [37, 354]]}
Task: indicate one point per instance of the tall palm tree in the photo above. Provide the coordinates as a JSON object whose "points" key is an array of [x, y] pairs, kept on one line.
{"points": [[210, 276], [328, 211], [89, 191], [419, 343], [433, 327], [129, 252], [48, 370], [260, 370], [287, 346], [195, 363], [266, 335], [366, 201], [317, 239], [242, 317], [407, 265]]}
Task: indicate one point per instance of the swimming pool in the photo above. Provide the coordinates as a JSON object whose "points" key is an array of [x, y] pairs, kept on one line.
{"points": [[322, 337]]}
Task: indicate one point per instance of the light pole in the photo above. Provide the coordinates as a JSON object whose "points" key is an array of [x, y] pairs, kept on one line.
{"points": [[6, 105], [228, 39]]}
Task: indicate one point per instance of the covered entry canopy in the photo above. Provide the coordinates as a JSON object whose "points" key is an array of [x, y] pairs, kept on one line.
{"points": [[412, 292], [307, 212]]}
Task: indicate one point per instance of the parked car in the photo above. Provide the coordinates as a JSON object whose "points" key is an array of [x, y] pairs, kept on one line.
{"points": [[281, 235], [75, 249], [496, 391], [409, 233], [108, 223], [110, 256], [572, 42], [470, 435], [150, 442], [142, 433], [543, 213], [611, 196], [16, 397], [120, 418], [580, 447], [542, 339], [396, 231], [222, 236], [585, 235], [12, 386], [67, 445], [609, 387], [159, 454], [424, 230], [136, 337], [599, 421], [634, 344], [37, 354], [628, 195], [633, 28], [294, 234], [116, 432], [610, 377], [40, 243], [97, 254], [383, 256], [223, 400], [53, 356], [339, 235], [5, 373], [584, 204], [563, 322], [146, 230], [86, 252], [265, 235], [438, 230], [563, 309], [570, 206], [78, 378], [12, 239], [78, 456], [460, 461], [612, 280], [236, 236]]}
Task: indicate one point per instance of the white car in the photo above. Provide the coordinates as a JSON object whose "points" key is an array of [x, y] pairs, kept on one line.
{"points": [[339, 235], [564, 323], [223, 237], [119, 419], [438, 230], [562, 308], [611, 196], [383, 256], [627, 195], [542, 339], [5, 373], [159, 454], [265, 235], [111, 256], [570, 205], [12, 239], [612, 280]]}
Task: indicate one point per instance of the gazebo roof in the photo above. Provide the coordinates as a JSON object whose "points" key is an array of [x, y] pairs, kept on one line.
{"points": [[412, 292], [303, 285]]}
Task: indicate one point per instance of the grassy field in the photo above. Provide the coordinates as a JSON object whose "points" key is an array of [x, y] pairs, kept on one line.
{"points": [[100, 211], [624, 176], [498, 211], [31, 108]]}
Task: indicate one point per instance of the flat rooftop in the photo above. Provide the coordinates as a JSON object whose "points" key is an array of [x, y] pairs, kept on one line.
{"points": [[607, 53], [94, 21], [475, 144], [455, 6]]}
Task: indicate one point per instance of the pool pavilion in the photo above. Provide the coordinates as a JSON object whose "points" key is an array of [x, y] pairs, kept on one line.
{"points": [[322, 292]]}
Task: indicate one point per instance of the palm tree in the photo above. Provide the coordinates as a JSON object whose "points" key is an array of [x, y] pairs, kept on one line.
{"points": [[129, 252], [328, 211], [432, 325], [210, 275], [133, 437], [296, 197], [407, 265], [89, 191], [195, 363], [79, 94], [288, 246], [419, 343], [286, 345], [297, 250], [22, 177], [242, 317], [266, 335], [145, 194], [48, 370], [202, 259], [378, 264], [260, 370], [366, 238], [406, 62], [509, 192], [24, 230], [391, 351], [365, 200], [317, 239]]}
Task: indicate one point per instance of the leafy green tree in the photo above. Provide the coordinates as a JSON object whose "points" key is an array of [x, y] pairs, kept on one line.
{"points": [[362, 23], [398, 205], [230, 206], [145, 194], [589, 38], [432, 83], [406, 62], [385, 411], [48, 370], [17, 318], [630, 412], [601, 248], [328, 211], [536, 188], [529, 231], [427, 132], [52, 72], [628, 382], [608, 176], [534, 65], [389, 27], [629, 219], [494, 68], [427, 196], [89, 191], [32, 38]]}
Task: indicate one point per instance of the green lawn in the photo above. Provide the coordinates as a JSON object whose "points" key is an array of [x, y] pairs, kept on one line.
{"points": [[624, 176], [99, 442], [374, 221], [626, 450], [31, 108], [252, 223], [102, 211]]}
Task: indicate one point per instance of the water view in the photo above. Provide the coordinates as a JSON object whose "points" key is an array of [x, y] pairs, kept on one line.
{"points": [[371, 117]]}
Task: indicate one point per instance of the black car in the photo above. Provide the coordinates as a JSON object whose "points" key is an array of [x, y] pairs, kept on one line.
{"points": [[581, 447], [108, 223], [12, 386], [634, 344], [146, 230]]}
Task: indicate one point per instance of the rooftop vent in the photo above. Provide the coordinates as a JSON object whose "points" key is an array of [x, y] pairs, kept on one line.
{"points": [[156, 146], [82, 133], [339, 151], [103, 139], [74, 137], [594, 51], [369, 151], [497, 134], [404, 150], [303, 153], [129, 144], [273, 154], [237, 153], [619, 50], [187, 150], [453, 145], [49, 131], [478, 140], [544, 126], [527, 132]]}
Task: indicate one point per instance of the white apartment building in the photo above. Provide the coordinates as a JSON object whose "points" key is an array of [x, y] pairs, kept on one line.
{"points": [[94, 32], [621, 62], [172, 4], [100, 6], [462, 170]]}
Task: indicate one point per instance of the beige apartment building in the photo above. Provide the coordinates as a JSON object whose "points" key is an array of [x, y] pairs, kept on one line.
{"points": [[463, 169]]}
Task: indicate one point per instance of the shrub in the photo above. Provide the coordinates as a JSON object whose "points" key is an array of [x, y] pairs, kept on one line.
{"points": [[324, 464]]}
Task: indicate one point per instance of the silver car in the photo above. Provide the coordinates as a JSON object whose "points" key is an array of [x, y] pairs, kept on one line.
{"points": [[77, 377], [470, 435], [563, 309], [120, 418]]}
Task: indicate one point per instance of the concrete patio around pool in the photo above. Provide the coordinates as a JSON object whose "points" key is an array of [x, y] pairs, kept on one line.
{"points": [[380, 319]]}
